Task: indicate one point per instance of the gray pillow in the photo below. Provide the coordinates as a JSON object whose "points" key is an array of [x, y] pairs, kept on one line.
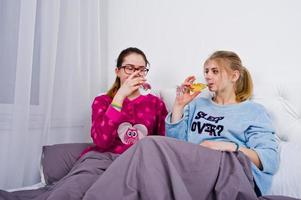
{"points": [[57, 160]]}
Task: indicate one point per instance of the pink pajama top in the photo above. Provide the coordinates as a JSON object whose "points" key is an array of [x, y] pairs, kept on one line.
{"points": [[115, 131]]}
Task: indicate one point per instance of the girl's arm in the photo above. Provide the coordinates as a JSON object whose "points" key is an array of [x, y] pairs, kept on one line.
{"points": [[252, 155], [182, 99], [179, 129], [231, 146], [105, 120]]}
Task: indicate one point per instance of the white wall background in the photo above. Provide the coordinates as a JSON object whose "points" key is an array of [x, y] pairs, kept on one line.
{"points": [[177, 36]]}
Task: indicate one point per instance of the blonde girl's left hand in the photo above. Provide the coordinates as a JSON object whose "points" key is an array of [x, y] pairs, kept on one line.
{"points": [[219, 145]]}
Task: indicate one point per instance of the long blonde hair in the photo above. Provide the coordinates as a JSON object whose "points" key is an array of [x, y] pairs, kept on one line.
{"points": [[116, 85], [230, 60]]}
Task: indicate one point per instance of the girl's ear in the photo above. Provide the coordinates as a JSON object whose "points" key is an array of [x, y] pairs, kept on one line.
{"points": [[235, 75], [117, 71]]}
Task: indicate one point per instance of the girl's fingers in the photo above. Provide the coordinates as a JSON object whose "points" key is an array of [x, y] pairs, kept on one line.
{"points": [[189, 79], [134, 74], [135, 87], [134, 79], [139, 79], [195, 94]]}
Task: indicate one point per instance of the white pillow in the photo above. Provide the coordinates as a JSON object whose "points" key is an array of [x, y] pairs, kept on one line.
{"points": [[287, 180], [168, 95]]}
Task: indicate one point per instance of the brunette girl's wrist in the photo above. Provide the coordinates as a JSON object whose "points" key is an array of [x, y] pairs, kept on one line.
{"points": [[116, 105], [119, 96], [117, 102]]}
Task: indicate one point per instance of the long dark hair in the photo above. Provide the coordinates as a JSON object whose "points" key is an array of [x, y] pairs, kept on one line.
{"points": [[116, 85]]}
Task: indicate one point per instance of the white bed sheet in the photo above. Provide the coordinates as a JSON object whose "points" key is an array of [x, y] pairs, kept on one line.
{"points": [[31, 187]]}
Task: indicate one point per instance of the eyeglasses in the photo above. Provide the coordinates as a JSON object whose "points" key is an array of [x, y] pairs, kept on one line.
{"points": [[129, 69]]}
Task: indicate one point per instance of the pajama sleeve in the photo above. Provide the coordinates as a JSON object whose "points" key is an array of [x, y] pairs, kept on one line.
{"points": [[178, 129], [261, 138], [161, 114], [105, 121]]}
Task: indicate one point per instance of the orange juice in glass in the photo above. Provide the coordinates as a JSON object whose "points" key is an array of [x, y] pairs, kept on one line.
{"points": [[197, 87]]}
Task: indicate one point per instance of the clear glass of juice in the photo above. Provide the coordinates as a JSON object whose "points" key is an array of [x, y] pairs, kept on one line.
{"points": [[196, 86], [145, 88]]}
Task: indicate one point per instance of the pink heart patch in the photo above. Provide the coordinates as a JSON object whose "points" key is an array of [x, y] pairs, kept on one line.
{"points": [[129, 134]]}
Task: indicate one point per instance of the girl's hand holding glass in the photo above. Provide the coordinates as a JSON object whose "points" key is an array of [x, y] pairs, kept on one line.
{"points": [[132, 83], [188, 91], [145, 88], [191, 85]]}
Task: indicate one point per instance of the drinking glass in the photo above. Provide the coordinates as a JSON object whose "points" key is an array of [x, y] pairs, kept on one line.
{"points": [[145, 88], [196, 86]]}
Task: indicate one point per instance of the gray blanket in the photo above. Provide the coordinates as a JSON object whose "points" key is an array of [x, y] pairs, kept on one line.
{"points": [[155, 168]]}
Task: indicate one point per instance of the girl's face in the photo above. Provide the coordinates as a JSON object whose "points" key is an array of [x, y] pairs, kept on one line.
{"points": [[218, 79], [130, 64]]}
